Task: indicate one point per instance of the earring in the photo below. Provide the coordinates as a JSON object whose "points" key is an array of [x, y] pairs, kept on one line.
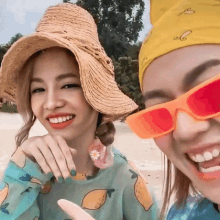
{"points": [[101, 155]]}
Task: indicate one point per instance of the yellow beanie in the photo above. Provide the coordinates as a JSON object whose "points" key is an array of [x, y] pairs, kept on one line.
{"points": [[177, 24]]}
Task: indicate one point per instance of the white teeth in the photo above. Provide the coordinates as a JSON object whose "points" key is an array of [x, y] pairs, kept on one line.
{"points": [[199, 158], [207, 156], [60, 119], [208, 170], [194, 158], [215, 153]]}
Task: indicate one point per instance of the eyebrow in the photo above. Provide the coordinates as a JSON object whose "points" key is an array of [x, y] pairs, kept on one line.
{"points": [[193, 75], [190, 78], [58, 78]]}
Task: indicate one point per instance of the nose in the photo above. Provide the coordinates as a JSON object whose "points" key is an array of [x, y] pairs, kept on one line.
{"points": [[53, 101], [188, 127]]}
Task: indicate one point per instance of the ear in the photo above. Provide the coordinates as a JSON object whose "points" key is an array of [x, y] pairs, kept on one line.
{"points": [[73, 210]]}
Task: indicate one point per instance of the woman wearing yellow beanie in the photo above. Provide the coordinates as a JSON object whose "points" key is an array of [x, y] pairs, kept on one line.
{"points": [[180, 80]]}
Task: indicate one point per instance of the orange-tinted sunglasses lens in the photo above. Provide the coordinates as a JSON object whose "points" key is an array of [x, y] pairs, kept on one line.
{"points": [[206, 101], [153, 122]]}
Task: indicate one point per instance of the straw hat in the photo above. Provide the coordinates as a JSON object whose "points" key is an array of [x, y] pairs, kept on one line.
{"points": [[5, 93], [70, 26]]}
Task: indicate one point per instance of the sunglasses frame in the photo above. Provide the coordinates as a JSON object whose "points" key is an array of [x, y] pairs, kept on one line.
{"points": [[172, 109]]}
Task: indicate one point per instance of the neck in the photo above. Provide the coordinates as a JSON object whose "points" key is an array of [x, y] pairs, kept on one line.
{"points": [[82, 159]]}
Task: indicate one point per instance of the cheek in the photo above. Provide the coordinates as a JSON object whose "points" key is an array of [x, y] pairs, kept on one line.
{"points": [[35, 105], [164, 143], [80, 101], [217, 119]]}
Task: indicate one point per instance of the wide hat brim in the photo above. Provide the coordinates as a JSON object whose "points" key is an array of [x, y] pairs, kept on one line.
{"points": [[98, 84]]}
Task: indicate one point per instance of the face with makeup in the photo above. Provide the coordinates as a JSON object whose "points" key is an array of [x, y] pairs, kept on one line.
{"points": [[187, 67], [57, 98]]}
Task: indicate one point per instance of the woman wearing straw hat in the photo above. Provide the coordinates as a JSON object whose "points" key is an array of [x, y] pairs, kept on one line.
{"points": [[180, 80], [61, 76]]}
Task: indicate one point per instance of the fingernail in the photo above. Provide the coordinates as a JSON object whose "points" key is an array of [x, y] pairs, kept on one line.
{"points": [[60, 179], [73, 172], [68, 180]]}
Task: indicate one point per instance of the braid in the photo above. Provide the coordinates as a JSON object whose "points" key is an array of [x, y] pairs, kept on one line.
{"points": [[105, 132]]}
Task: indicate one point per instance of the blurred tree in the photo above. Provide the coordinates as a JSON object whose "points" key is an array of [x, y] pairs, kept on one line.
{"points": [[3, 50], [66, 1], [8, 106], [14, 38], [126, 76], [133, 50], [119, 23], [4, 47]]}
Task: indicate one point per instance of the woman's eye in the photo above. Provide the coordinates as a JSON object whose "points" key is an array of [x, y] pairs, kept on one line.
{"points": [[70, 86], [38, 90]]}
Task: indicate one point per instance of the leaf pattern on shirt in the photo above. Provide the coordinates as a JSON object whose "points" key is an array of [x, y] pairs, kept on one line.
{"points": [[3, 208], [25, 178]]}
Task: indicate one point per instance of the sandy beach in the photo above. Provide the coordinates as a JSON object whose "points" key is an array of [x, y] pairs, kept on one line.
{"points": [[144, 153]]}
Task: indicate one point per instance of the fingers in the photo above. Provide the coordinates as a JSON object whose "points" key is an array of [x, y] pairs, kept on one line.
{"points": [[52, 154], [49, 158], [41, 160], [67, 152], [60, 162], [73, 210]]}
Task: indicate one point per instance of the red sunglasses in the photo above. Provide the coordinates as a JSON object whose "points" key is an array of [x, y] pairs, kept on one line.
{"points": [[202, 102]]}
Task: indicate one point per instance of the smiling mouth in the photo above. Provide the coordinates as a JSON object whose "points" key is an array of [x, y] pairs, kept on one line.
{"points": [[206, 165], [60, 119], [61, 122]]}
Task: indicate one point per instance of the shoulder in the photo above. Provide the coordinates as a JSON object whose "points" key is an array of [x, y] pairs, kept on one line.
{"points": [[122, 163], [197, 207], [125, 163], [127, 170]]}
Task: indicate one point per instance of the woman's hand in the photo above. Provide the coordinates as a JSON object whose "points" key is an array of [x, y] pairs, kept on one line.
{"points": [[73, 210], [51, 153]]}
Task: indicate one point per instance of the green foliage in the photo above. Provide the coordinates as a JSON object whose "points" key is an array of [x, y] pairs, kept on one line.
{"points": [[126, 76], [4, 48], [133, 50], [119, 23], [3, 51], [8, 108], [15, 38]]}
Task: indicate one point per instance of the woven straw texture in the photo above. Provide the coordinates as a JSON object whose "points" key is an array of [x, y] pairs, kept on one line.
{"points": [[69, 26]]}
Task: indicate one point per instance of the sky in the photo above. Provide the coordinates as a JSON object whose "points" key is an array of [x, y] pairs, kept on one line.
{"points": [[22, 16]]}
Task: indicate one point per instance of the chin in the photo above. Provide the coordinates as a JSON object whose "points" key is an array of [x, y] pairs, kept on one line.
{"points": [[213, 195], [210, 190]]}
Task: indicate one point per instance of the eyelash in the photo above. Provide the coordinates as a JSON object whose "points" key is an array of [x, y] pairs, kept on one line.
{"points": [[69, 86]]}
